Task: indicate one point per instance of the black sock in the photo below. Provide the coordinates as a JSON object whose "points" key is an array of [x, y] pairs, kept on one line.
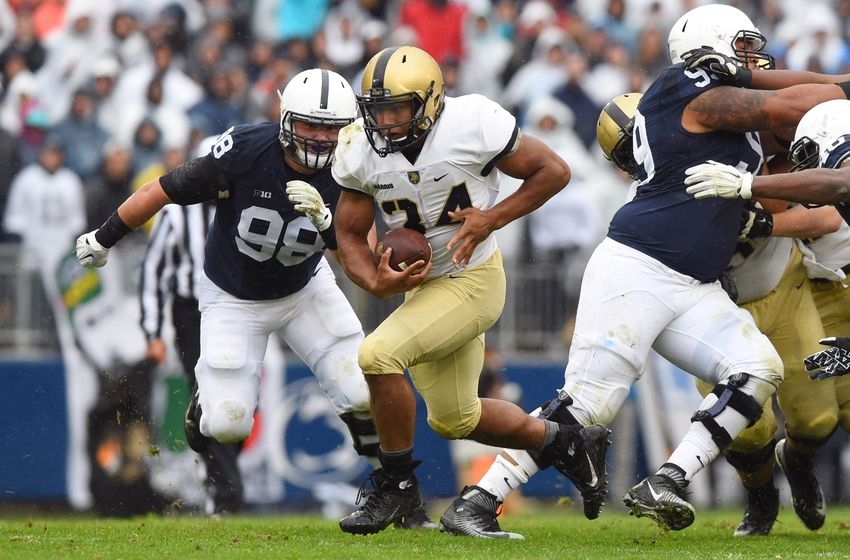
{"points": [[398, 464]]}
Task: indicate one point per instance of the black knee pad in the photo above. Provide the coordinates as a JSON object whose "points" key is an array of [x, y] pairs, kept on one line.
{"points": [[729, 395]]}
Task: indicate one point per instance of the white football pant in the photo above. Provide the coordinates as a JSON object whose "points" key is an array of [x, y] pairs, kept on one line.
{"points": [[316, 322], [629, 303]]}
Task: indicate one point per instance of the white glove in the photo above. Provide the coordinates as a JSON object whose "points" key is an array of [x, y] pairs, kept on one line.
{"points": [[90, 253], [718, 179], [308, 200]]}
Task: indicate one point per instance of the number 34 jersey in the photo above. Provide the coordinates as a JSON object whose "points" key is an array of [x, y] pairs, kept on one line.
{"points": [[454, 170], [259, 247]]}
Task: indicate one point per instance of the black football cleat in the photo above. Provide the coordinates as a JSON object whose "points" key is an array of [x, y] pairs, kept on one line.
{"points": [[389, 500], [659, 498], [473, 514], [579, 454], [197, 441], [761, 512], [417, 520], [806, 494]]}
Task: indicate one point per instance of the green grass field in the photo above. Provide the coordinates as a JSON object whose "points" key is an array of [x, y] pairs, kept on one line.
{"points": [[565, 536]]}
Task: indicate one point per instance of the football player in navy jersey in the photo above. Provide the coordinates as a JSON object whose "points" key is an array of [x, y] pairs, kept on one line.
{"points": [[653, 282], [264, 269]]}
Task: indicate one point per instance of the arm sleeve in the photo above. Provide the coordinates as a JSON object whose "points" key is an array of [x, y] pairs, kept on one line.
{"points": [[197, 180], [156, 273]]}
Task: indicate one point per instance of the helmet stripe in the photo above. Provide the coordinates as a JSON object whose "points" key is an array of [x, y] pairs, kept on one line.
{"points": [[381, 68], [323, 99], [617, 115]]}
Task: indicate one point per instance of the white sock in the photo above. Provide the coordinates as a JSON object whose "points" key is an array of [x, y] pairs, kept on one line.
{"points": [[697, 449], [510, 470]]}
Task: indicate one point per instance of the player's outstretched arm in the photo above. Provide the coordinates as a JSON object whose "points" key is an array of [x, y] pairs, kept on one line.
{"points": [[814, 186], [93, 247], [544, 174], [732, 73], [744, 110]]}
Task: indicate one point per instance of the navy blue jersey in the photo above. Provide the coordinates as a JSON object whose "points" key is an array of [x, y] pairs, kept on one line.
{"points": [[259, 246], [694, 237]]}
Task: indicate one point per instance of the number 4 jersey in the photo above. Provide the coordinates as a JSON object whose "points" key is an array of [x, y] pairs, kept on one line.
{"points": [[454, 170], [259, 247]]}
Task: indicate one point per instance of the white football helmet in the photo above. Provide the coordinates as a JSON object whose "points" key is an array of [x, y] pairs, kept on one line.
{"points": [[315, 96], [718, 27], [823, 136]]}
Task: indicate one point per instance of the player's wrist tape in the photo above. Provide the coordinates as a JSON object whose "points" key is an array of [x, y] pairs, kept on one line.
{"points": [[845, 87], [112, 230], [329, 237]]}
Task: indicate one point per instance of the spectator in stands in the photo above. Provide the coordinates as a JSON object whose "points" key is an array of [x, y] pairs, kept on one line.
{"points": [[82, 136], [111, 185], [574, 96], [46, 208], [616, 27], [488, 52], [215, 113], [25, 43], [543, 74], [439, 26]]}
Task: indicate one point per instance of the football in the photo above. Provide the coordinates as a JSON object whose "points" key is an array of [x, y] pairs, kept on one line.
{"points": [[408, 246]]}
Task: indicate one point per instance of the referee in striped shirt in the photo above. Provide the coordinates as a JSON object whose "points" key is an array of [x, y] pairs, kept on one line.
{"points": [[173, 264]]}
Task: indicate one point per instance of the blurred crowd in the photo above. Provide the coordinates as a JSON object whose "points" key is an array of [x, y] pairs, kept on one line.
{"points": [[99, 97]]}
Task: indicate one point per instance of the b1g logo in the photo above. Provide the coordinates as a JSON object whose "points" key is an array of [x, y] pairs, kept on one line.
{"points": [[309, 443]]}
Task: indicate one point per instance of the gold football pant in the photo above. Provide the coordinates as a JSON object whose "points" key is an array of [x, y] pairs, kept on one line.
{"points": [[437, 334], [833, 302], [789, 318]]}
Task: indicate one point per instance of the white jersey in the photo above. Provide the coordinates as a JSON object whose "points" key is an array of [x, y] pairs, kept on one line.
{"points": [[758, 266], [454, 170], [825, 256]]}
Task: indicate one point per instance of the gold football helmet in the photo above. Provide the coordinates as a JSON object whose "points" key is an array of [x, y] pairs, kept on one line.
{"points": [[394, 77], [614, 131]]}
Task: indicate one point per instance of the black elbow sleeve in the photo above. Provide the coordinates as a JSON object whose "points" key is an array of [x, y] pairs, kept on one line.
{"points": [[195, 181]]}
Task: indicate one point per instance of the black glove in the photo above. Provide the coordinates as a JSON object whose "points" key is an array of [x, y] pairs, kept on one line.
{"points": [[755, 222], [722, 66], [832, 362]]}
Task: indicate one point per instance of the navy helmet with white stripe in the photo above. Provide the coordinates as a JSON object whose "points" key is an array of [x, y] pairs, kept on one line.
{"points": [[320, 97]]}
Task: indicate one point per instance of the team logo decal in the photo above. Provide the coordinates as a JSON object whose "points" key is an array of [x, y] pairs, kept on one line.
{"points": [[413, 177]]}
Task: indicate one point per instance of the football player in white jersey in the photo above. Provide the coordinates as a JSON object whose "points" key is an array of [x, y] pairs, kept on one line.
{"points": [[432, 164]]}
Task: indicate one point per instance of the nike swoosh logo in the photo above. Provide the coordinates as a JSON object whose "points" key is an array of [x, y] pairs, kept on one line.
{"points": [[593, 478], [440, 177], [655, 495], [507, 482]]}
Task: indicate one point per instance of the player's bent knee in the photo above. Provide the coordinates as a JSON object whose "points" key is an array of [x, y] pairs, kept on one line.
{"points": [[815, 429], [228, 421], [374, 358], [454, 430]]}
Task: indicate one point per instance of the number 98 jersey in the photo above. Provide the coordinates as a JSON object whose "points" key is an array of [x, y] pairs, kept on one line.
{"points": [[454, 170], [259, 247], [693, 237]]}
